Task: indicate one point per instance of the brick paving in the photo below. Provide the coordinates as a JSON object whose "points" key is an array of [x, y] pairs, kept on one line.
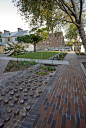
{"points": [[62, 103]]}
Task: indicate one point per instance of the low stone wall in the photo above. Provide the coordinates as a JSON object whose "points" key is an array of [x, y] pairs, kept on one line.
{"points": [[51, 58]]}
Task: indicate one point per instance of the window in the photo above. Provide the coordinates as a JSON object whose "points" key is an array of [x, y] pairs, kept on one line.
{"points": [[27, 46], [0, 40], [8, 39], [15, 39]]}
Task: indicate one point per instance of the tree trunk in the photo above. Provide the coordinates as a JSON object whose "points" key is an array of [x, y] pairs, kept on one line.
{"points": [[82, 34], [34, 46]]}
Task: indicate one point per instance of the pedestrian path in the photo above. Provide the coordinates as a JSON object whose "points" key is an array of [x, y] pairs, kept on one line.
{"points": [[53, 62], [64, 104]]}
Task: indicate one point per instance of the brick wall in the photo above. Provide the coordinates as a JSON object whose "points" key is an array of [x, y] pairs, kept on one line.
{"points": [[53, 40]]}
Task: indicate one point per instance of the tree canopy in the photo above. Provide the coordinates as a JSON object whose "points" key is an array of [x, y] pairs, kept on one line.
{"points": [[54, 12], [71, 32], [35, 37], [15, 49]]}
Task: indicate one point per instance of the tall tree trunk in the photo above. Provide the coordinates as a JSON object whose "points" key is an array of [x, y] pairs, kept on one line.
{"points": [[34, 46], [82, 34]]}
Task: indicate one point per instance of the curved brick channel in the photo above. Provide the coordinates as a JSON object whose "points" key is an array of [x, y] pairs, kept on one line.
{"points": [[62, 103]]}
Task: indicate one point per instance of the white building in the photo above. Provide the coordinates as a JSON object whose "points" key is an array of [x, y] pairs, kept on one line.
{"points": [[9, 37]]}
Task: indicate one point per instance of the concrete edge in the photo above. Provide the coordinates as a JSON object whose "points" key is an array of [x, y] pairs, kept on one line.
{"points": [[83, 68], [80, 56]]}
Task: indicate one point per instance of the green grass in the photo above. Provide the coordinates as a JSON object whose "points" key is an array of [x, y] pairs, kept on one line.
{"points": [[37, 55]]}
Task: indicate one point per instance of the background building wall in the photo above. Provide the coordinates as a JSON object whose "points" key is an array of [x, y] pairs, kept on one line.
{"points": [[53, 40]]}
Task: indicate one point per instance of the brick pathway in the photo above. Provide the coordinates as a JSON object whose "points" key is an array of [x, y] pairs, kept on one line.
{"points": [[64, 105]]}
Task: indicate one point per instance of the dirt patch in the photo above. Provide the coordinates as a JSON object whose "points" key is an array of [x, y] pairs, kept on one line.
{"points": [[80, 54], [18, 66], [84, 64]]}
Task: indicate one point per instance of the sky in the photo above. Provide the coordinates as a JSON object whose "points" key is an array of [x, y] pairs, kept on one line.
{"points": [[9, 18]]}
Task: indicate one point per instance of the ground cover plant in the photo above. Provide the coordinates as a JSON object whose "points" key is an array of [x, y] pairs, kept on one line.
{"points": [[17, 66], [38, 55], [61, 56], [43, 69]]}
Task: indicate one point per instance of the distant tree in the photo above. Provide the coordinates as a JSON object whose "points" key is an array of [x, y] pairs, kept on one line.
{"points": [[71, 32], [15, 49], [69, 43], [39, 35]]}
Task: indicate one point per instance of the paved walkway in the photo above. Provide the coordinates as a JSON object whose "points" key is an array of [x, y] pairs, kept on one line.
{"points": [[63, 101], [65, 98], [53, 62]]}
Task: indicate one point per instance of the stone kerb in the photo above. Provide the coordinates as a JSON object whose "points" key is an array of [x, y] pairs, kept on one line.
{"points": [[83, 68], [79, 56], [51, 58]]}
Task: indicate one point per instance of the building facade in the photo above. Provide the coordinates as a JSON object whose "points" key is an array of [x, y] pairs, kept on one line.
{"points": [[53, 40], [11, 37]]}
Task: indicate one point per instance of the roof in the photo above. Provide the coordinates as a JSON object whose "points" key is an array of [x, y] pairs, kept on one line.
{"points": [[20, 33], [13, 34], [3, 35]]}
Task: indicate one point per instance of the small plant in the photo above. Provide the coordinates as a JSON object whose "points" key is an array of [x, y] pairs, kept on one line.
{"points": [[16, 66], [11, 66], [37, 72], [32, 62], [50, 69], [42, 67], [43, 73]]}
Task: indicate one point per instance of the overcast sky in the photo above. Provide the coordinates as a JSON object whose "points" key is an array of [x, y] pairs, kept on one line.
{"points": [[9, 18]]}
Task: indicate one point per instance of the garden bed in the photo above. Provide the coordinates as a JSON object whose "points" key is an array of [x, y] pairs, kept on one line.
{"points": [[18, 66], [83, 66], [80, 54], [59, 56]]}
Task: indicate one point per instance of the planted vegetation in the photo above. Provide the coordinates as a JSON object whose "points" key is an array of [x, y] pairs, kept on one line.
{"points": [[42, 70], [20, 65], [61, 56]]}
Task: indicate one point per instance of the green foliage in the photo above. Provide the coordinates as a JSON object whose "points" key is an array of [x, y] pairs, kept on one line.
{"points": [[27, 63], [37, 72], [50, 68], [42, 67], [71, 32], [69, 43], [39, 35], [32, 62], [61, 56], [51, 11], [16, 49], [43, 73]]}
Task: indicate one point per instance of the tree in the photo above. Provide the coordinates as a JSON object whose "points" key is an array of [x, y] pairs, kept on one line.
{"points": [[71, 32], [39, 35], [32, 38], [16, 49], [53, 11]]}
